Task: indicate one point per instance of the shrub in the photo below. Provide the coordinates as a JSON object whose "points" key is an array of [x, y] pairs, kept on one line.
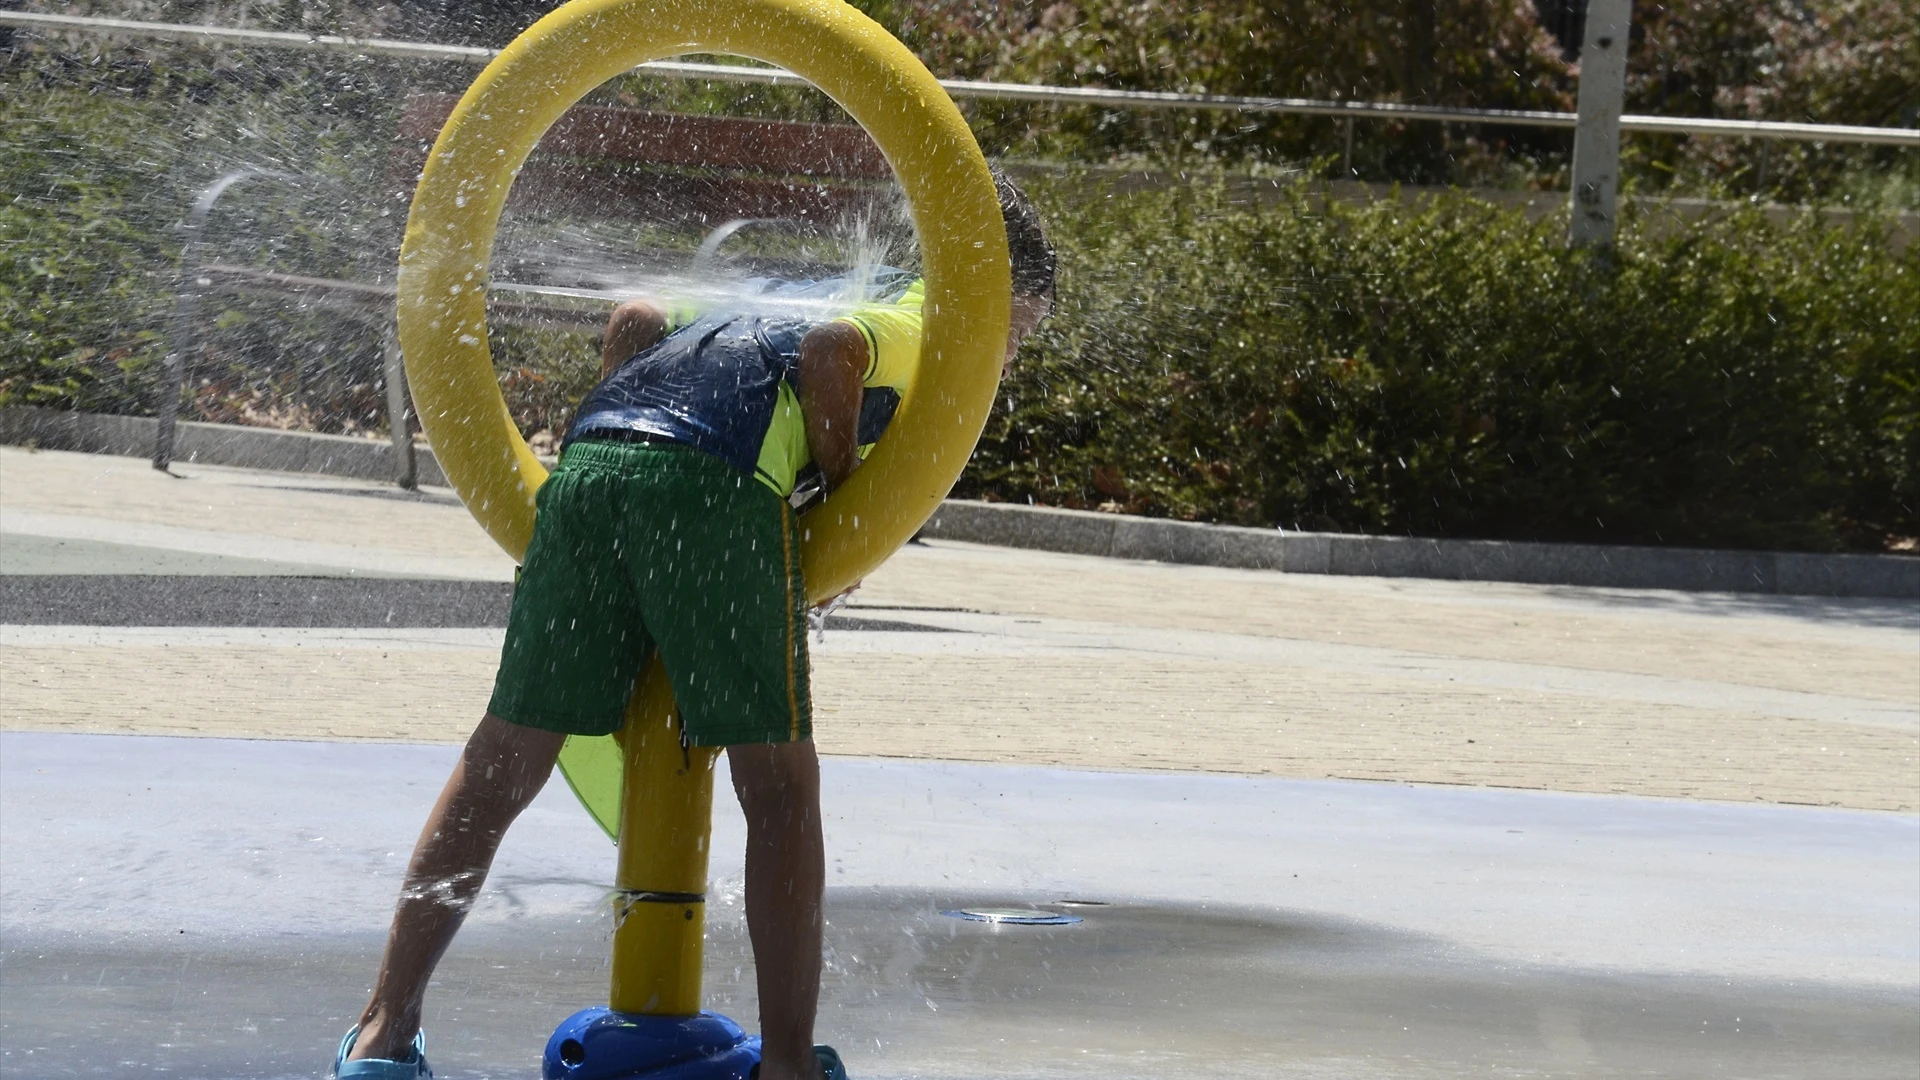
{"points": [[84, 281], [1452, 369]]}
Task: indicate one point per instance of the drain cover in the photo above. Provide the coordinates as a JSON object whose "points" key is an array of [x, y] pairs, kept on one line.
{"points": [[1016, 916]]}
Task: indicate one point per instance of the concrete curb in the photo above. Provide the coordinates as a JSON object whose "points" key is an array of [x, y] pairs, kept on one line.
{"points": [[1081, 532], [213, 444]]}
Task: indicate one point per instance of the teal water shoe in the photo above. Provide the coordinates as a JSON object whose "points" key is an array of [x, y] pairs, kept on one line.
{"points": [[415, 1067], [830, 1067]]}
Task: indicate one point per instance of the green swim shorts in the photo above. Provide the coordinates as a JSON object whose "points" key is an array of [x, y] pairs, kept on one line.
{"points": [[638, 546]]}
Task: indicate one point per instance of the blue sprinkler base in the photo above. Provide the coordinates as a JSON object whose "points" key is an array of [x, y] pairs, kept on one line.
{"points": [[600, 1044]]}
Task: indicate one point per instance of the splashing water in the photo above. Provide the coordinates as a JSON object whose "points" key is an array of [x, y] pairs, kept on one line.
{"points": [[584, 263]]}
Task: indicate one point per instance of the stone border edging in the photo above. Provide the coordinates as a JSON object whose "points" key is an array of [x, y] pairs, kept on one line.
{"points": [[213, 444], [1081, 532]]}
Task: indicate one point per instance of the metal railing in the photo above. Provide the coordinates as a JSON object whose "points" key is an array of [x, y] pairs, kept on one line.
{"points": [[965, 88], [509, 303], [197, 279]]}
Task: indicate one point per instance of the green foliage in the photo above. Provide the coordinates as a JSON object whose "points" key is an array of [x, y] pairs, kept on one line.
{"points": [[1487, 53], [1827, 62], [83, 286], [1452, 369], [105, 150], [1824, 61]]}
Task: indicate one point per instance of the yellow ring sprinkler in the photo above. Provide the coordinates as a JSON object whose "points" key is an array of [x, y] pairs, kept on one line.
{"points": [[653, 1025]]}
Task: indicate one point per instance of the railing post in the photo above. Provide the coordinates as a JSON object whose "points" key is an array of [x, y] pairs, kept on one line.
{"points": [[180, 343], [1596, 133], [407, 466]]}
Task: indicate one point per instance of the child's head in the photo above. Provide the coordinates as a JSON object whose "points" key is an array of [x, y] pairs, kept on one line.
{"points": [[1032, 260], [1027, 246]]}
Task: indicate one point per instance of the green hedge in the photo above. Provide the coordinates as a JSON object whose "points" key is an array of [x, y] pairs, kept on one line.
{"points": [[1452, 369], [85, 276]]}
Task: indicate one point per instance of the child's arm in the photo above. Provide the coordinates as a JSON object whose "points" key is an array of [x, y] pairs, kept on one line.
{"points": [[833, 359], [634, 325]]}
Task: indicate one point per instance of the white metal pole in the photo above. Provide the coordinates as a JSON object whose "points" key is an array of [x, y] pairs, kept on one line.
{"points": [[406, 467], [1596, 131]]}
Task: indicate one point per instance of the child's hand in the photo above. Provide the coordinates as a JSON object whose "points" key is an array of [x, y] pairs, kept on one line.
{"points": [[817, 618], [833, 603], [633, 327]]}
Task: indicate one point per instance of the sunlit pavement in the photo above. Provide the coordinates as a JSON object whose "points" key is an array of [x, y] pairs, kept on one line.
{"points": [[1056, 660], [211, 906]]}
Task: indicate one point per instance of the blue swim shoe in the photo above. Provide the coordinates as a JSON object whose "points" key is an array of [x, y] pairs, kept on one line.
{"points": [[830, 1067], [415, 1067]]}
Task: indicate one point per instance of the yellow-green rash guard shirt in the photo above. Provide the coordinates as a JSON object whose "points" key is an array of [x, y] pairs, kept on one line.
{"points": [[892, 332], [728, 382]]}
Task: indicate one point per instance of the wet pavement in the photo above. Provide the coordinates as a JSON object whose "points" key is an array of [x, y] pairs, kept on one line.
{"points": [[207, 907]]}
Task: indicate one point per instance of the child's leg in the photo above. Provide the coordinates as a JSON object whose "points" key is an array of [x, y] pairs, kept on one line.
{"points": [[779, 789], [503, 768]]}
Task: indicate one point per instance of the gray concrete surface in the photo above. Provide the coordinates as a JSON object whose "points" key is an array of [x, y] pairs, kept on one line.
{"points": [[1083, 532], [212, 908], [212, 444], [30, 555], [237, 600]]}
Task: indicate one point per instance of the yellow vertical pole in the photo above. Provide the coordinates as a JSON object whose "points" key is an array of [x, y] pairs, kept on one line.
{"points": [[666, 809]]}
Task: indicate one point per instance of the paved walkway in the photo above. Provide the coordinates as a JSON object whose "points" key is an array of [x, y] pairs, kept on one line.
{"points": [[213, 908], [1051, 659]]}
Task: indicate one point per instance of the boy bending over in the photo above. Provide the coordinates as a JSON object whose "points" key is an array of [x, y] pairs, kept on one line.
{"points": [[668, 526]]}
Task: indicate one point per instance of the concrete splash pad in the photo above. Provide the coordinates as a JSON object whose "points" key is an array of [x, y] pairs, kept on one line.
{"points": [[213, 908]]}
